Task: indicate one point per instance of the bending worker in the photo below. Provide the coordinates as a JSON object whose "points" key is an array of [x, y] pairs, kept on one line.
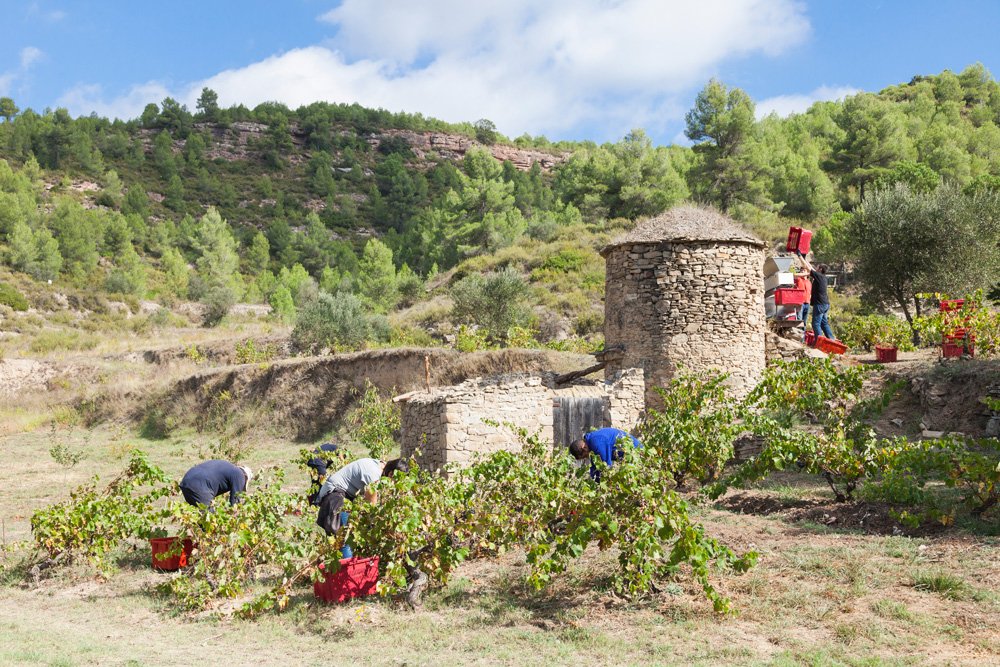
{"points": [[606, 443], [347, 483], [325, 458], [202, 483]]}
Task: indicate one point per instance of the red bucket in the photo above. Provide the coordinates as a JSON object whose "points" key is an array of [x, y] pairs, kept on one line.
{"points": [[357, 577], [162, 545], [885, 355]]}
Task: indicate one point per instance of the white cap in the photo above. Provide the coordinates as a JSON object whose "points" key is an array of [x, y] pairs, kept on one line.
{"points": [[248, 473]]}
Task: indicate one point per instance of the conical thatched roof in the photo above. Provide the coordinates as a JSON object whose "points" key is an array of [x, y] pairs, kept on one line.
{"points": [[686, 224]]}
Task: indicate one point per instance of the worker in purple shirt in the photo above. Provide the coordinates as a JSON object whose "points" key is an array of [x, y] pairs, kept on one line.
{"points": [[202, 483], [605, 443]]}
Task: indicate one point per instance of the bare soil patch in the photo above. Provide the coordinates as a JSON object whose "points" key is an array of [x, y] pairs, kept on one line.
{"points": [[872, 518], [24, 375]]}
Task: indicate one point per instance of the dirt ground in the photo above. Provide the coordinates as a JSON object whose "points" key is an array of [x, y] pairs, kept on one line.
{"points": [[834, 586]]}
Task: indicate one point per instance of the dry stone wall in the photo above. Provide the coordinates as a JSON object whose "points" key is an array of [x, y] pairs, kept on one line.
{"points": [[686, 305], [448, 425], [626, 391]]}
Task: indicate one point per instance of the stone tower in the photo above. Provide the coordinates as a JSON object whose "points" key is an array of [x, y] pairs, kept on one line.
{"points": [[684, 292]]}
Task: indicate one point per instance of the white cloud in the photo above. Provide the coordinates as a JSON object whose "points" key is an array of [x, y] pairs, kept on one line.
{"points": [[542, 68], [30, 55], [786, 105], [51, 15], [87, 98], [6, 79]]}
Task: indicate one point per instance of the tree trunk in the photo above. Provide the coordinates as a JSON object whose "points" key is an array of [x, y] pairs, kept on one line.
{"points": [[903, 303]]}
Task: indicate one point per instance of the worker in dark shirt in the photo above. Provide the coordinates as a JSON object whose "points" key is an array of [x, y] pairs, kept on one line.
{"points": [[202, 483], [318, 467], [606, 443], [820, 300]]}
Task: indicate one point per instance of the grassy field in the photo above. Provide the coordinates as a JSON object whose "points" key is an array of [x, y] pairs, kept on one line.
{"points": [[824, 593]]}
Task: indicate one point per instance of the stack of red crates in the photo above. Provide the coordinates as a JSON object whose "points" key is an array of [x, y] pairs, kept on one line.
{"points": [[959, 339]]}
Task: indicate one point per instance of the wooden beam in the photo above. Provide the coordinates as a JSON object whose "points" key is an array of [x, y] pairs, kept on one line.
{"points": [[573, 375]]}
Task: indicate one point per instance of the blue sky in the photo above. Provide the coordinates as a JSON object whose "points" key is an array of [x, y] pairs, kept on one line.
{"points": [[568, 69]]}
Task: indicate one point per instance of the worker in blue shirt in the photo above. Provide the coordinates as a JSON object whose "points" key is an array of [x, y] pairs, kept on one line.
{"points": [[202, 483], [606, 443]]}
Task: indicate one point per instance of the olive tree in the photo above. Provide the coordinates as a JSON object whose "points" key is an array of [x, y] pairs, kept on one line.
{"points": [[909, 242], [494, 301]]}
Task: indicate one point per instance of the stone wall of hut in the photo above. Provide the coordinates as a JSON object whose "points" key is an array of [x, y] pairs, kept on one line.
{"points": [[686, 306], [448, 425]]}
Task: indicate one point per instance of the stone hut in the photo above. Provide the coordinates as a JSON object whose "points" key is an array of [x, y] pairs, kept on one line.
{"points": [[684, 292], [449, 425]]}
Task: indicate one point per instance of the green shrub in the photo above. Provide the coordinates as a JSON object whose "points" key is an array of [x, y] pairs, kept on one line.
{"points": [[568, 259], [157, 424], [338, 320], [406, 336], [589, 322], [247, 352], [218, 302], [495, 301], [376, 422], [52, 341], [9, 296], [471, 340], [163, 318], [867, 331]]}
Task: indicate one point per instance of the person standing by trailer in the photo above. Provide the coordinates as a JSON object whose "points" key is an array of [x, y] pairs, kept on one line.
{"points": [[819, 302], [606, 443], [205, 481]]}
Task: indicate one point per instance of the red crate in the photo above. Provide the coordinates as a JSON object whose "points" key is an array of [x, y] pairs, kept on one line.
{"points": [[824, 344], [959, 337], [885, 355], [798, 240], [789, 296], [357, 577], [952, 350], [949, 305], [161, 545], [810, 337]]}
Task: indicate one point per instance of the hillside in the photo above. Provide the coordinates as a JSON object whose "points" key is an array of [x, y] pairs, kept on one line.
{"points": [[276, 206]]}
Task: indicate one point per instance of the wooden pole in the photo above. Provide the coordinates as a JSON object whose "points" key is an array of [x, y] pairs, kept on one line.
{"points": [[573, 375], [427, 371]]}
